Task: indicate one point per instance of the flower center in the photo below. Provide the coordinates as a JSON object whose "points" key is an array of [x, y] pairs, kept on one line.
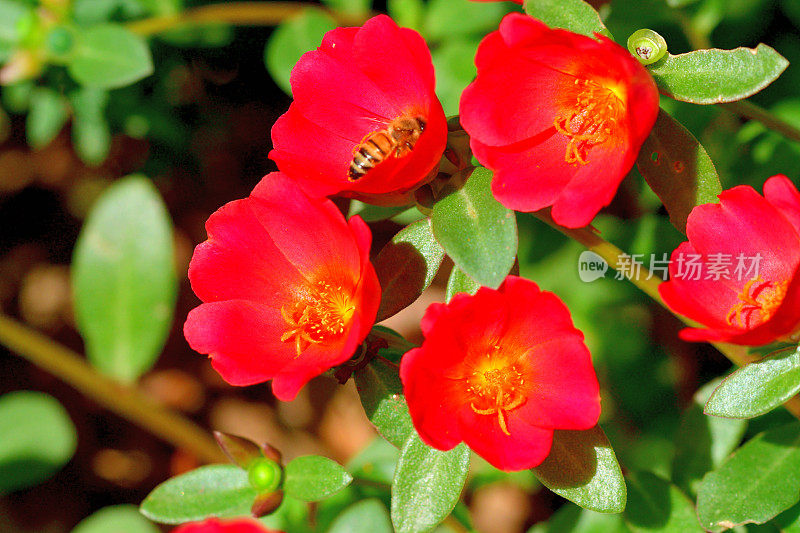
{"points": [[590, 121], [497, 390], [757, 295], [321, 315]]}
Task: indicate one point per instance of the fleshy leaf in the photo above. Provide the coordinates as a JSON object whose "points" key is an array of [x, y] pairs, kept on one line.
{"points": [[460, 282], [124, 279], [406, 266], [381, 394], [108, 56], [38, 439], [476, 231], [90, 131], [367, 516], [715, 76], [758, 387], [678, 169], [312, 477], [221, 491], [583, 468], [427, 484], [116, 519], [755, 484], [291, 39], [655, 504], [572, 15]]}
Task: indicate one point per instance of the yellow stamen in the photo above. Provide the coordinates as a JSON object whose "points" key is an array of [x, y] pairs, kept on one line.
{"points": [[497, 390], [592, 120], [321, 315], [757, 295]]}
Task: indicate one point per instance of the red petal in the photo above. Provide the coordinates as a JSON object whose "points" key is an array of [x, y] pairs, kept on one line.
{"points": [[781, 193], [242, 338], [526, 447], [745, 223], [239, 260], [313, 235]]}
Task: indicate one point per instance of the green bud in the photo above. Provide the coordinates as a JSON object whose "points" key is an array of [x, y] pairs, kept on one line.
{"points": [[264, 475], [647, 46]]}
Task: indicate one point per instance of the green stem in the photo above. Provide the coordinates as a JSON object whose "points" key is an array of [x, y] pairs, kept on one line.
{"points": [[124, 400], [237, 13], [648, 283], [746, 109]]}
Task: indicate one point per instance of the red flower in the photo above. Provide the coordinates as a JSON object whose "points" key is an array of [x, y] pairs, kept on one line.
{"points": [[558, 116], [288, 288], [365, 121], [737, 274], [500, 371], [212, 525]]}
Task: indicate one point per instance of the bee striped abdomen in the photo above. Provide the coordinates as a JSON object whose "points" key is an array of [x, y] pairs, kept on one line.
{"points": [[397, 139]]}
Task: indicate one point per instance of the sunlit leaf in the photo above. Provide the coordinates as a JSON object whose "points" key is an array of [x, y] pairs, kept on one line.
{"points": [[758, 387], [583, 468], [760, 480], [313, 477], [476, 231], [460, 282], [572, 15], [715, 76], [381, 395], [367, 516], [427, 485], [216, 490], [124, 280]]}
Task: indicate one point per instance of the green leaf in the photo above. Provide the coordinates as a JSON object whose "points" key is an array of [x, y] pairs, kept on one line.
{"points": [[48, 113], [312, 477], [427, 484], [38, 439], [351, 7], [473, 18], [381, 394], [715, 76], [367, 516], [678, 169], [583, 468], [572, 15], [116, 519], [655, 504], [407, 13], [90, 132], [755, 484], [476, 231], [406, 266], [703, 442], [758, 387], [373, 213], [291, 39], [221, 491], [455, 69], [572, 519], [109, 56], [680, 3], [376, 462], [123, 279], [460, 282]]}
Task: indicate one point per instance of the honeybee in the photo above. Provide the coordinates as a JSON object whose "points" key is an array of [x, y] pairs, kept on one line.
{"points": [[396, 140]]}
